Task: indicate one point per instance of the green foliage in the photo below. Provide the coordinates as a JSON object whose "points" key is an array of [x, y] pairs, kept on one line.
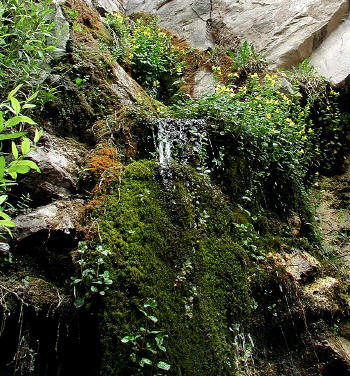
{"points": [[279, 138], [270, 131], [148, 51], [247, 60], [328, 121], [94, 278], [26, 42], [147, 344], [183, 250], [14, 163]]}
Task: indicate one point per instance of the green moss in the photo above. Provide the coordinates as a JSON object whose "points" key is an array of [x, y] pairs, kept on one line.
{"points": [[181, 248]]}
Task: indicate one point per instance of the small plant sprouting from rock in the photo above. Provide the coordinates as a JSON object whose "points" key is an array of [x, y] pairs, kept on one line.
{"points": [[94, 278], [147, 345], [247, 60]]}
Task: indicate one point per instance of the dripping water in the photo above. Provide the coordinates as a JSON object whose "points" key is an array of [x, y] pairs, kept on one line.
{"points": [[179, 140]]}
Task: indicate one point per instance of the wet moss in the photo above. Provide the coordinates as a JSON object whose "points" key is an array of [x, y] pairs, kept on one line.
{"points": [[181, 247]]}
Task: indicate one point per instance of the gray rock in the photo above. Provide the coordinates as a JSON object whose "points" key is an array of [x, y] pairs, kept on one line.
{"points": [[332, 58], [60, 161], [204, 83], [61, 29], [336, 350], [188, 19], [125, 87], [286, 31], [106, 6], [301, 266], [322, 295], [60, 216]]}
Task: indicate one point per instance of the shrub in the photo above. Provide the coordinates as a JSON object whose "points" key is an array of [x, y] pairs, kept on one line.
{"points": [[247, 59], [147, 50], [15, 163], [26, 42], [273, 133]]}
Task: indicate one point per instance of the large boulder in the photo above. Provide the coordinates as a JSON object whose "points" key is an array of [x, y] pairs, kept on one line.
{"points": [[286, 31], [332, 58], [60, 161], [59, 219], [187, 19]]}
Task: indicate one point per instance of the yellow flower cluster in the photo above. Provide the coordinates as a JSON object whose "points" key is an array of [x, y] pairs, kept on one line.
{"points": [[271, 79], [335, 93], [217, 70], [233, 75], [222, 89]]}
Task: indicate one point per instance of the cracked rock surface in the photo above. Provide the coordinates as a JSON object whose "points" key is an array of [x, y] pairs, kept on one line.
{"points": [[286, 31]]}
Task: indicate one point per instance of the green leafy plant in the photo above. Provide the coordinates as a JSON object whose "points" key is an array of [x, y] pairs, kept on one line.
{"points": [[14, 162], [247, 59], [147, 50], [272, 132], [148, 344], [26, 43], [94, 279]]}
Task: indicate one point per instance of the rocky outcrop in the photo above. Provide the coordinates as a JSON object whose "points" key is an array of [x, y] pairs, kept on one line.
{"points": [[188, 19], [61, 29], [301, 266], [61, 217], [106, 6], [204, 83], [332, 58], [286, 31], [60, 161]]}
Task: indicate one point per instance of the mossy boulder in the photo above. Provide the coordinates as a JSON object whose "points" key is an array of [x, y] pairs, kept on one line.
{"points": [[180, 247]]}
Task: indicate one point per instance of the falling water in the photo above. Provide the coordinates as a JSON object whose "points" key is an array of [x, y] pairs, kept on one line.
{"points": [[244, 346], [178, 140]]}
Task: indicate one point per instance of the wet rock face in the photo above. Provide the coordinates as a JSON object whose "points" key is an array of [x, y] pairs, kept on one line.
{"points": [[286, 31], [60, 217], [302, 266], [60, 161], [47, 235], [106, 6]]}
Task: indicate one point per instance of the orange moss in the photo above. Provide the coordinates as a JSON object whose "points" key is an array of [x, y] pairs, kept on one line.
{"points": [[104, 165], [86, 19]]}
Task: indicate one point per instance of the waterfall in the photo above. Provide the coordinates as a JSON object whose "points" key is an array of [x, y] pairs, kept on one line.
{"points": [[179, 140]]}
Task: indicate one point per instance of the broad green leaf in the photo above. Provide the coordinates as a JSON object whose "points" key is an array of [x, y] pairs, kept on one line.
{"points": [[145, 361], [164, 366], [25, 146], [32, 97], [93, 289], [14, 150], [15, 105], [25, 106], [38, 134], [1, 121], [13, 175], [5, 216], [18, 119], [11, 136], [126, 339], [17, 169], [153, 318], [13, 92], [26, 163], [79, 302], [2, 166], [7, 223], [3, 198]]}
